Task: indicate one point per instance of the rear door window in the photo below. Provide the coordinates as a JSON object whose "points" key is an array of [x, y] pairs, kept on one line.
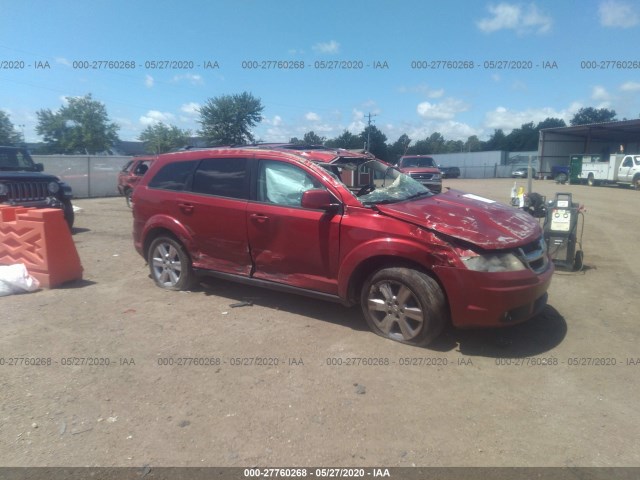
{"points": [[173, 176], [223, 177]]}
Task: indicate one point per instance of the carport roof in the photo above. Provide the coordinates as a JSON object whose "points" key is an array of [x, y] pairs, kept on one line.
{"points": [[625, 130]]}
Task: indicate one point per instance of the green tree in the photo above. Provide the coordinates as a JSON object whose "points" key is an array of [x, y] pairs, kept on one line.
{"points": [[345, 140], [8, 134], [399, 148], [473, 144], [377, 139], [81, 126], [522, 139], [310, 138], [453, 146], [161, 138], [228, 119], [497, 141], [589, 115], [551, 122]]}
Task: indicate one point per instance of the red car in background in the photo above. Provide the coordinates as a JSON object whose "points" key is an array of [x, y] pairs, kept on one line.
{"points": [[341, 226], [423, 169], [131, 174]]}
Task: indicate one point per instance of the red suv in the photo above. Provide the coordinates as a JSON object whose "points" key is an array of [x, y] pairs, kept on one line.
{"points": [[345, 227], [423, 169], [131, 174]]}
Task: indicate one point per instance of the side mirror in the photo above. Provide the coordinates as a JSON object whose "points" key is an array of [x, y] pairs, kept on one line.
{"points": [[319, 199], [39, 167]]}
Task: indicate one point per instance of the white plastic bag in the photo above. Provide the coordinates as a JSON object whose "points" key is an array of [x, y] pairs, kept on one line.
{"points": [[16, 279]]}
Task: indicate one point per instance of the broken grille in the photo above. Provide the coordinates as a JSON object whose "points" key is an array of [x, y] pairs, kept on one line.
{"points": [[534, 255]]}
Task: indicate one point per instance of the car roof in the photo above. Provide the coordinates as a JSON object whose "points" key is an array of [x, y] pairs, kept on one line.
{"points": [[314, 153]]}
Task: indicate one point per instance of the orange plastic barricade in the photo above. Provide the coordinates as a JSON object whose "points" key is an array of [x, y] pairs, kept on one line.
{"points": [[39, 238]]}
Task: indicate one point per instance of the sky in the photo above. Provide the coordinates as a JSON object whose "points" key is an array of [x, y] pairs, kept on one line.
{"points": [[456, 67]]}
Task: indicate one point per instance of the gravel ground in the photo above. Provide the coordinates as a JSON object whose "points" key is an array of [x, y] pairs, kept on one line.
{"points": [[559, 390]]}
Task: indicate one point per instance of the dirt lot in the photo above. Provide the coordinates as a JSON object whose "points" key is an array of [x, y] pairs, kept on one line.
{"points": [[529, 395]]}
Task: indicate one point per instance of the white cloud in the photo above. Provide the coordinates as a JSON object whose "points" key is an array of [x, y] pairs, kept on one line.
{"points": [[63, 61], [616, 14], [193, 79], [630, 87], [148, 81], [600, 94], [331, 47], [508, 16], [312, 117], [191, 108], [507, 120], [445, 110], [154, 116], [423, 89]]}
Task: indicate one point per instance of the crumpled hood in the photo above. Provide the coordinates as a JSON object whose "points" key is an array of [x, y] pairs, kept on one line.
{"points": [[477, 220]]}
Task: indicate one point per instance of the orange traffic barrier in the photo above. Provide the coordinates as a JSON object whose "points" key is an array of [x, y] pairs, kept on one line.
{"points": [[39, 238]]}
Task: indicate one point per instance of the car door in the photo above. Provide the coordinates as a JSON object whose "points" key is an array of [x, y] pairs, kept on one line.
{"points": [[214, 211], [624, 171], [290, 244]]}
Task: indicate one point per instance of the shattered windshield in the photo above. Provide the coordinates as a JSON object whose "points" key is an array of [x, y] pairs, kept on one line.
{"points": [[386, 184]]}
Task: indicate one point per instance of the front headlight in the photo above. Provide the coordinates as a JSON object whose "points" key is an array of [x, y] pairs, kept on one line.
{"points": [[53, 187], [436, 176], [493, 262]]}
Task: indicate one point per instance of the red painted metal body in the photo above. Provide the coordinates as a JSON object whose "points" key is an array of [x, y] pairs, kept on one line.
{"points": [[329, 250]]}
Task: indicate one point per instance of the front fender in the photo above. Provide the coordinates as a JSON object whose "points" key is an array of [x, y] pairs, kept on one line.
{"points": [[424, 249]]}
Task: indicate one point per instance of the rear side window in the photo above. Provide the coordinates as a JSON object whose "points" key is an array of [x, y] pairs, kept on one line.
{"points": [[173, 176], [223, 177]]}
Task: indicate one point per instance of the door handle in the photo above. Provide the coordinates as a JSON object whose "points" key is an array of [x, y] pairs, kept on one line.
{"points": [[258, 217], [186, 207]]}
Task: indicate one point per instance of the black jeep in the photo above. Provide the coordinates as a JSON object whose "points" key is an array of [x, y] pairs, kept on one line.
{"points": [[22, 183]]}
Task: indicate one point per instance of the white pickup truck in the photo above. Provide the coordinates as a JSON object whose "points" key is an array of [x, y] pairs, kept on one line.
{"points": [[623, 169]]}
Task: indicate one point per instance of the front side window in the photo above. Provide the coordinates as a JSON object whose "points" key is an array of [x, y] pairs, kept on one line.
{"points": [[173, 176], [628, 162], [223, 177], [283, 184]]}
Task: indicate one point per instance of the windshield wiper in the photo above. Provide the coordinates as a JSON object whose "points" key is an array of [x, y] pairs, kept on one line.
{"points": [[418, 195]]}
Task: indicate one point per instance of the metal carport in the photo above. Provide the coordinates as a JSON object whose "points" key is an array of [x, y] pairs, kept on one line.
{"points": [[556, 145]]}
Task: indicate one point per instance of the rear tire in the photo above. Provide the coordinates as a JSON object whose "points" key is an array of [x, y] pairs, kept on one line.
{"points": [[404, 305], [170, 264], [591, 180], [561, 178]]}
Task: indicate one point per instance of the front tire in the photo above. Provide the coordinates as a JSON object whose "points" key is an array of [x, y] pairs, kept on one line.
{"points": [[69, 214], [561, 178], [404, 305], [170, 264]]}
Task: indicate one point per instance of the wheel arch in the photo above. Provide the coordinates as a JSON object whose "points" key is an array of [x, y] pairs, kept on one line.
{"points": [[372, 264]]}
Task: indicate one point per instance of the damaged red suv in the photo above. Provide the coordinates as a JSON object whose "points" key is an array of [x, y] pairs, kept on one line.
{"points": [[345, 227]]}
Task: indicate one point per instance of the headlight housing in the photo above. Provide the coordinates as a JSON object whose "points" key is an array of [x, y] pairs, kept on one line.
{"points": [[436, 176], [53, 187], [493, 262]]}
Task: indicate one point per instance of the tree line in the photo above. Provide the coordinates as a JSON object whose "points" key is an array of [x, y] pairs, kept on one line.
{"points": [[83, 126]]}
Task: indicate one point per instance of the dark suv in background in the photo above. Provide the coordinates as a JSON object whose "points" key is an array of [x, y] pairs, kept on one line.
{"points": [[23, 184]]}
